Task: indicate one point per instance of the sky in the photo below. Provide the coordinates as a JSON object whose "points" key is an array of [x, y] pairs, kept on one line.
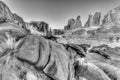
{"points": [[57, 12]]}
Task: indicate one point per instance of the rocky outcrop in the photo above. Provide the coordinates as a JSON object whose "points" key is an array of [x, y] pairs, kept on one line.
{"points": [[19, 21], [6, 16], [89, 21], [112, 18], [69, 25], [77, 23], [58, 31], [93, 20], [40, 26], [73, 24], [5, 13], [28, 56]]}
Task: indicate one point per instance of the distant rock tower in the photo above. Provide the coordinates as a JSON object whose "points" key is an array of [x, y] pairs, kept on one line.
{"points": [[93, 20], [73, 24]]}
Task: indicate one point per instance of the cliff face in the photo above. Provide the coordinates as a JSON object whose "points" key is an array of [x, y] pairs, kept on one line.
{"points": [[19, 21], [73, 24], [77, 23], [40, 26], [112, 18], [6, 16], [5, 13], [93, 20]]}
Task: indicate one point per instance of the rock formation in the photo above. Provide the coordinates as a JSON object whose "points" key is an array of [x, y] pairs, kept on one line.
{"points": [[58, 31], [19, 21], [77, 23], [73, 24], [69, 25], [28, 56], [41, 26], [93, 20], [89, 21], [112, 18], [5, 13]]}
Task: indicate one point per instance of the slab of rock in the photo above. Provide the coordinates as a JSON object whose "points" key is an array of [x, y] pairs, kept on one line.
{"points": [[90, 71]]}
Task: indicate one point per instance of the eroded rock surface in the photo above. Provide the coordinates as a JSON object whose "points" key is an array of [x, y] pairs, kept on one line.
{"points": [[29, 56], [73, 24], [41, 26], [93, 20]]}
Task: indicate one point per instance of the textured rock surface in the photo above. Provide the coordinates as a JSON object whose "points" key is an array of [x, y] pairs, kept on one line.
{"points": [[41, 26], [93, 20], [19, 21], [5, 13], [73, 24], [58, 32], [112, 18], [89, 21], [29, 56], [77, 23], [70, 24]]}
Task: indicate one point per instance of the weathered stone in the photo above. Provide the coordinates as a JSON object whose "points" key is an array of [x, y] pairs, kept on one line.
{"points": [[89, 71], [19, 21], [5, 13], [69, 25], [73, 24], [77, 23], [96, 18], [112, 18], [41, 26], [112, 71], [30, 49], [79, 50], [89, 21], [58, 31], [93, 20]]}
